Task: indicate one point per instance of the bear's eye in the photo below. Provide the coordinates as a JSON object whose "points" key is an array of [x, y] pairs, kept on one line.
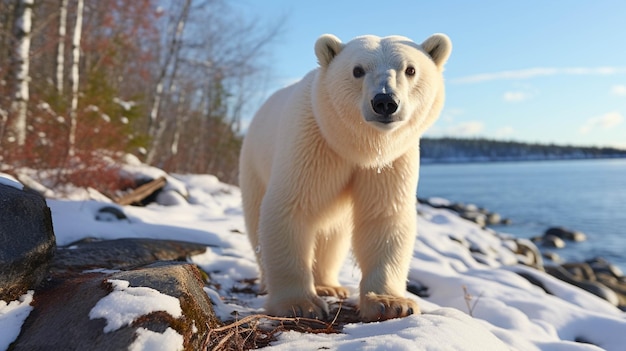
{"points": [[358, 72], [410, 71]]}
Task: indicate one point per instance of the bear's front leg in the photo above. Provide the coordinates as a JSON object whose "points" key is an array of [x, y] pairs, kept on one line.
{"points": [[287, 246], [383, 240], [304, 189]]}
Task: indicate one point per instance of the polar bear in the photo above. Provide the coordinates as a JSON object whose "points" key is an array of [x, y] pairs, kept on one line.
{"points": [[334, 158]]}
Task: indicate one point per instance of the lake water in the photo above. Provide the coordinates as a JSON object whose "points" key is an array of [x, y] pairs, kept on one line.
{"points": [[585, 195]]}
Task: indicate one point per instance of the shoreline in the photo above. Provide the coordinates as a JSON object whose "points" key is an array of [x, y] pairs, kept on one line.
{"points": [[596, 275], [512, 159]]}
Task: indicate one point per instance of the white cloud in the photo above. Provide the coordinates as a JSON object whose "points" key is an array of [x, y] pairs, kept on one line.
{"points": [[449, 114], [606, 121], [538, 72], [465, 129], [505, 132], [618, 90], [515, 96]]}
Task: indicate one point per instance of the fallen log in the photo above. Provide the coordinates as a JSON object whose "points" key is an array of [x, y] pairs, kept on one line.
{"points": [[142, 192]]}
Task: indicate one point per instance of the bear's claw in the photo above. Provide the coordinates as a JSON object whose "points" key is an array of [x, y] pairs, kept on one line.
{"points": [[314, 308]]}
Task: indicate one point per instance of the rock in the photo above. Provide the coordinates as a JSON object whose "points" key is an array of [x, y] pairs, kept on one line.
{"points": [[581, 271], [600, 265], [617, 285], [436, 202], [417, 288], [552, 241], [566, 234], [121, 254], [528, 253], [610, 276], [506, 221], [475, 217], [460, 240], [67, 303], [598, 270], [472, 208], [80, 276], [110, 214], [493, 218], [27, 241], [593, 287], [457, 207], [534, 280], [471, 212], [552, 256]]}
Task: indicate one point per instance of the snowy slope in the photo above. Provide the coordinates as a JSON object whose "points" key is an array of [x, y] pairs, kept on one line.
{"points": [[470, 305]]}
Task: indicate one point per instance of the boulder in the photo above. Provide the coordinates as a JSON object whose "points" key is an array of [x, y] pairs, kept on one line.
{"points": [[61, 319], [601, 265], [593, 287], [528, 253], [552, 256], [552, 241], [110, 214], [475, 217], [506, 221], [120, 254], [493, 218], [565, 234], [83, 273], [27, 241]]}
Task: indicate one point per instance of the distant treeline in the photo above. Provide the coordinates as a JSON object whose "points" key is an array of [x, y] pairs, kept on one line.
{"points": [[477, 150]]}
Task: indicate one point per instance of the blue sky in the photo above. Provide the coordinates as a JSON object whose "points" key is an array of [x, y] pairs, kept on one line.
{"points": [[534, 71]]}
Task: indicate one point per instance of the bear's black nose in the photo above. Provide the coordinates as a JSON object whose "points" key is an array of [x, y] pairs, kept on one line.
{"points": [[384, 104]]}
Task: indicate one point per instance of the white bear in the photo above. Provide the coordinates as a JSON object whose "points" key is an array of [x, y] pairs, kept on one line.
{"points": [[333, 158]]}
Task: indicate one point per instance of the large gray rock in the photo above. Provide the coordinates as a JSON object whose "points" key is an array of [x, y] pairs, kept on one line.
{"points": [[27, 241], [121, 253], [565, 234], [79, 278], [60, 318]]}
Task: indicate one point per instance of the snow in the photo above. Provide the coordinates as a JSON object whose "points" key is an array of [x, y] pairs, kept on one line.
{"points": [[476, 299], [9, 180], [125, 304], [12, 316], [147, 340]]}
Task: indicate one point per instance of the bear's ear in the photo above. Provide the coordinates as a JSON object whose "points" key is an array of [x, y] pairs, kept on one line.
{"points": [[326, 48], [438, 46]]}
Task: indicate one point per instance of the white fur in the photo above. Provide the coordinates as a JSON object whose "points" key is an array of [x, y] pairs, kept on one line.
{"points": [[316, 172]]}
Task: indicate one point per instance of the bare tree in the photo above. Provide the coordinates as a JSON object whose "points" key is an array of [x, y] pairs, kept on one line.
{"points": [[170, 64], [61, 46], [219, 71], [21, 61], [75, 76], [172, 76]]}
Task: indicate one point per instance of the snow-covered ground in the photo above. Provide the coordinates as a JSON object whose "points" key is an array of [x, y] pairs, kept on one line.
{"points": [[476, 301]]}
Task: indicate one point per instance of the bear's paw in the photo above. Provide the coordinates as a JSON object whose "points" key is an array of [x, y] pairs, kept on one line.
{"points": [[307, 307], [375, 307], [337, 291]]}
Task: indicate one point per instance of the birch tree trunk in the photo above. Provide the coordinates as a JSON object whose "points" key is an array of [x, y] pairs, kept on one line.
{"points": [[61, 46], [21, 62], [180, 120], [75, 76], [156, 127]]}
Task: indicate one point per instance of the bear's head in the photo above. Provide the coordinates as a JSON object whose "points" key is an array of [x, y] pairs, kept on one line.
{"points": [[386, 90]]}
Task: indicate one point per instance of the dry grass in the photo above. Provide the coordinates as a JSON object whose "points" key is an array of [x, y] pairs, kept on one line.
{"points": [[468, 300], [258, 330]]}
